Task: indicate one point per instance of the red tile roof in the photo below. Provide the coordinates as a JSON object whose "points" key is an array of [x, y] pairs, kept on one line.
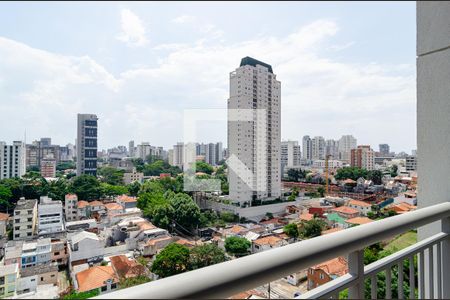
{"points": [[71, 197], [95, 277], [306, 217], [359, 220], [113, 206], [268, 240], [345, 210], [96, 203], [359, 203], [4, 217], [125, 198], [336, 229], [126, 268], [336, 266], [82, 204]]}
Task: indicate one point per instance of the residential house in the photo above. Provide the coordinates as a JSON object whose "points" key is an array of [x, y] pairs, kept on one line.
{"points": [[4, 220], [44, 274], [113, 209], [25, 219], [59, 253], [327, 271], [9, 275], [127, 268], [127, 201], [335, 220], [13, 253], [85, 247], [153, 246], [71, 207], [346, 212], [82, 225], [101, 278], [267, 243], [402, 208], [185, 242], [97, 209], [361, 206], [83, 211], [357, 221], [306, 217]]}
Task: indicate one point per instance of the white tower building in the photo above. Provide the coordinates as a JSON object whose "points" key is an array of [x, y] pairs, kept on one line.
{"points": [[255, 143]]}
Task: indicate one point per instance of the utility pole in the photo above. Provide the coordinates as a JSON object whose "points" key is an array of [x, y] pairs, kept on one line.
{"points": [[326, 174]]}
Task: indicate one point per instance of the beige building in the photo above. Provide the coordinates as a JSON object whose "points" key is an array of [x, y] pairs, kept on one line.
{"points": [[363, 157], [25, 219], [133, 177], [70, 207]]}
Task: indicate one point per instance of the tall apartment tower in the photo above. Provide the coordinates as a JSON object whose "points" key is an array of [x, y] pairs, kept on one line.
{"points": [[346, 144], [384, 150], [307, 147], [131, 149], [87, 144], [332, 148], [178, 155], [255, 143], [363, 157], [12, 160], [318, 148], [290, 155]]}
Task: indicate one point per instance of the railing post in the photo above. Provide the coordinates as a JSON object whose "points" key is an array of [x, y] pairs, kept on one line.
{"points": [[356, 268], [445, 260]]}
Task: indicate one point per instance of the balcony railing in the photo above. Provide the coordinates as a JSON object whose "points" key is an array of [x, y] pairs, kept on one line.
{"points": [[232, 277]]}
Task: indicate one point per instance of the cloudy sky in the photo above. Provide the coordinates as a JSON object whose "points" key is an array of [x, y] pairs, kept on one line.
{"points": [[345, 68]]}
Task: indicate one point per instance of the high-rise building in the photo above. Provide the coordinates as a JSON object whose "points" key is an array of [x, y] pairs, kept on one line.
{"points": [[307, 147], [332, 148], [48, 167], [131, 149], [346, 144], [384, 150], [363, 157], [178, 155], [170, 157], [411, 163], [12, 160], [87, 144], [213, 153], [254, 142], [318, 148], [290, 155]]}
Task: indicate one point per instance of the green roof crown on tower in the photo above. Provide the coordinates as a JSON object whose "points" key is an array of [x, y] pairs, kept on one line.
{"points": [[253, 62]]}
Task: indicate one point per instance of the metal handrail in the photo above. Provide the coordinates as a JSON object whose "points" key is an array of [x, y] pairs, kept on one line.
{"points": [[226, 279]]}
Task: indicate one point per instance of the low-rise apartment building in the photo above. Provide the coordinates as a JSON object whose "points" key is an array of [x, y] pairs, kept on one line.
{"points": [[9, 275], [25, 219], [50, 217], [70, 207]]}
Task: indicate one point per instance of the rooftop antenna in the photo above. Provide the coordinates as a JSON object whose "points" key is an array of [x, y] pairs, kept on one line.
{"points": [[25, 136]]}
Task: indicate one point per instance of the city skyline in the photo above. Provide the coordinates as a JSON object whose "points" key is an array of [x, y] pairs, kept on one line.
{"points": [[138, 77]]}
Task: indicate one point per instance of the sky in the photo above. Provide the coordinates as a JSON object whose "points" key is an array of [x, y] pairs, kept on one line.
{"points": [[344, 67]]}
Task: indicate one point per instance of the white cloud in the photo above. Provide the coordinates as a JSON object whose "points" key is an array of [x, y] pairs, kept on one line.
{"points": [[184, 19], [133, 29], [320, 96]]}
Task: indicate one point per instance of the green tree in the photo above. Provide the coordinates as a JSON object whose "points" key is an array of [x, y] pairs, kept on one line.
{"points": [[129, 282], [109, 190], [172, 260], [376, 176], [312, 228], [86, 187], [81, 295], [186, 211], [205, 255], [5, 198], [134, 188], [321, 191], [394, 171], [291, 230], [201, 166], [351, 173], [237, 246], [111, 175], [228, 217]]}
